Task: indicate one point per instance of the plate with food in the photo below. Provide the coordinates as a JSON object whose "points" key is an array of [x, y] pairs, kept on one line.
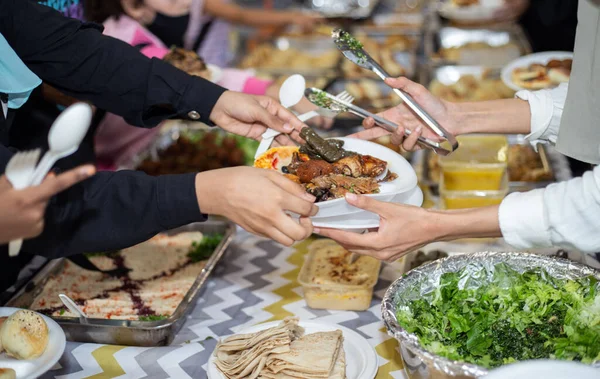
{"points": [[538, 71], [30, 343], [471, 313], [330, 168], [294, 349], [469, 10]]}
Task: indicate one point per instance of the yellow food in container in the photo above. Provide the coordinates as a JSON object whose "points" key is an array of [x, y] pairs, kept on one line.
{"points": [[470, 199], [330, 281], [480, 164]]}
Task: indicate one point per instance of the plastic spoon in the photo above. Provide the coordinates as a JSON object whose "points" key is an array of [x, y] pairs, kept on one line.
{"points": [[65, 136], [70, 304], [290, 94]]}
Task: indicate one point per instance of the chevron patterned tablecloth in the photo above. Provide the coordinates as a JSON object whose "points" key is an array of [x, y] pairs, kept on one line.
{"points": [[255, 282]]}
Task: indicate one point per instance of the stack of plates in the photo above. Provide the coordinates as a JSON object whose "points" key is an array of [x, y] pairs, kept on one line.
{"points": [[338, 214]]}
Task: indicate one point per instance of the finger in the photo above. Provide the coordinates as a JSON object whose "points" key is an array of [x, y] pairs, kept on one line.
{"points": [[370, 134], [369, 204], [278, 236], [348, 239], [307, 225], [4, 183], [284, 140], [280, 116], [412, 88], [290, 186], [368, 122], [292, 228], [411, 141], [398, 136], [53, 185]]}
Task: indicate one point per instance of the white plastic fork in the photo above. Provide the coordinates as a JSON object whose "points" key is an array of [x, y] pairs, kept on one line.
{"points": [[19, 172]]}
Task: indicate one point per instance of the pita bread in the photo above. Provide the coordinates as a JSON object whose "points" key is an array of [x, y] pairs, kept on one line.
{"points": [[313, 354], [339, 371]]}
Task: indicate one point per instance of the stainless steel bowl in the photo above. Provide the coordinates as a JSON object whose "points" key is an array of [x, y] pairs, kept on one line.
{"points": [[421, 364]]}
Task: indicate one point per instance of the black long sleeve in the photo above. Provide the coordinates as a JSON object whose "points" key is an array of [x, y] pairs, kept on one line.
{"points": [[112, 210], [109, 210], [77, 59]]}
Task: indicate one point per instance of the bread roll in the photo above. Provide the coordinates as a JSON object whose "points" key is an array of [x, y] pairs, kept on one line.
{"points": [[7, 373], [2, 319], [24, 335]]}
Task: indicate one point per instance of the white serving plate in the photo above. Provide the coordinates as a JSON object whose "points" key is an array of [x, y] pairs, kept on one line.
{"points": [[525, 61], [32, 368], [483, 11], [363, 220], [545, 368], [407, 178], [361, 358]]}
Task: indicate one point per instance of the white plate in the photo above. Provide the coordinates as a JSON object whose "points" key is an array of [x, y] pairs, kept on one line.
{"points": [[544, 368], [541, 58], [32, 368], [361, 358], [358, 222], [483, 11], [407, 178]]}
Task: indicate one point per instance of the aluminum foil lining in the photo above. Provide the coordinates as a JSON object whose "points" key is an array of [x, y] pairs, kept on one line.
{"points": [[424, 279]]}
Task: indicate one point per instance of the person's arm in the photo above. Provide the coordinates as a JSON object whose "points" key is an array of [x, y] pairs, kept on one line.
{"points": [[257, 17], [79, 61]]}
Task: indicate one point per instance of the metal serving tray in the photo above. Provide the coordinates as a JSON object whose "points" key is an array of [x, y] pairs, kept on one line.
{"points": [[310, 45], [496, 37], [132, 333], [512, 185]]}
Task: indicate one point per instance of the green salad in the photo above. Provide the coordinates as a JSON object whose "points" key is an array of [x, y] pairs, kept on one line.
{"points": [[202, 250], [509, 317]]}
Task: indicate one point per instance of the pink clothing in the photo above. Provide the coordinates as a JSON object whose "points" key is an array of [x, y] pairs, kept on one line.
{"points": [[116, 142]]}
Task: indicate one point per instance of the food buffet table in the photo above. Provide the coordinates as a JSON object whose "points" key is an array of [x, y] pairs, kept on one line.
{"points": [[255, 282]]}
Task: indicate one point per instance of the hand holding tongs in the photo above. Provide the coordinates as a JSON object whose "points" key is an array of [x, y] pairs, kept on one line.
{"points": [[328, 101], [353, 50]]}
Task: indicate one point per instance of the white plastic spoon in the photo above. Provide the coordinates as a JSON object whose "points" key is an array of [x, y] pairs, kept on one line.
{"points": [[290, 94], [64, 138], [70, 304]]}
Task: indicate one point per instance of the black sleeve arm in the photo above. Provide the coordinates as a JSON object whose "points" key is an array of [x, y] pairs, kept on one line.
{"points": [[112, 210], [77, 59]]}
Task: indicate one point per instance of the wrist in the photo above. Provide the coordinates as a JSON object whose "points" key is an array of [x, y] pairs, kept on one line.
{"points": [[204, 194], [450, 225]]}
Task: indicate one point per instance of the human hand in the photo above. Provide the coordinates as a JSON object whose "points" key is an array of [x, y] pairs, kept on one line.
{"points": [[23, 211], [402, 229], [306, 21], [250, 116], [257, 200], [320, 122], [511, 10], [446, 113]]}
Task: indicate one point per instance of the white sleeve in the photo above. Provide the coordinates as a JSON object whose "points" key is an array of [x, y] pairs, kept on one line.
{"points": [[565, 214], [546, 108]]}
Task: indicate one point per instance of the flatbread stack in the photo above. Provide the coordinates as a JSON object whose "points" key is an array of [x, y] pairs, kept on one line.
{"points": [[282, 352]]}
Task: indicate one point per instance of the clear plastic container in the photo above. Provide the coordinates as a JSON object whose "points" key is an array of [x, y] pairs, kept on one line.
{"points": [[470, 199], [330, 281], [479, 164]]}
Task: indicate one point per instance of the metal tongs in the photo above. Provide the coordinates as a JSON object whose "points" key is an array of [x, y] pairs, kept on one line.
{"points": [[328, 101], [353, 50]]}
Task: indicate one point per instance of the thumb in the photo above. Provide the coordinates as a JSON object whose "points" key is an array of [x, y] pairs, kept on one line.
{"points": [[368, 204], [4, 183]]}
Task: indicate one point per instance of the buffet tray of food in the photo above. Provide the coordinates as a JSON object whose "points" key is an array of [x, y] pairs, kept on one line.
{"points": [[145, 307], [527, 169], [464, 83], [183, 148], [490, 47], [372, 95], [292, 54]]}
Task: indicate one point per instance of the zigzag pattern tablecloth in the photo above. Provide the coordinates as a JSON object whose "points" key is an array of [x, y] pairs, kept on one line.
{"points": [[255, 282]]}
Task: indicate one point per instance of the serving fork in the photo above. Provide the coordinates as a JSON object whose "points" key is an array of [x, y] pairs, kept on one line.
{"points": [[353, 50], [19, 172]]}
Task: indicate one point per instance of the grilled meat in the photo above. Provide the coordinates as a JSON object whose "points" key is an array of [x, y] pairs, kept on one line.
{"points": [[188, 61], [360, 166], [334, 186], [309, 170]]}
